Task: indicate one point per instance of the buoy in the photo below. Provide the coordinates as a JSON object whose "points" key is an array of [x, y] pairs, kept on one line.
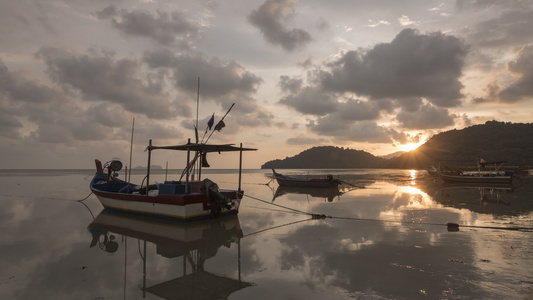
{"points": [[452, 226]]}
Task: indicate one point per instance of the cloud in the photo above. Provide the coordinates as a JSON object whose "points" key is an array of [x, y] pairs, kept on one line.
{"points": [[418, 74], [306, 140], [373, 24], [223, 82], [523, 68], [412, 65], [222, 78], [510, 29], [53, 115], [406, 21], [163, 27], [98, 76], [359, 131], [426, 117], [311, 101], [270, 18]]}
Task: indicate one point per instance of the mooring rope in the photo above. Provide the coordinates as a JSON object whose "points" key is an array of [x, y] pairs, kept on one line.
{"points": [[285, 207], [451, 226], [275, 227]]}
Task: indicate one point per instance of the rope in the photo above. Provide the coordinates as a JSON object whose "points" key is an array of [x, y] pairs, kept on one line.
{"points": [[451, 226], [285, 207], [275, 227], [357, 186]]}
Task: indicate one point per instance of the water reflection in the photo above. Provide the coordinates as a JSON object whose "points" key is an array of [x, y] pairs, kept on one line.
{"points": [[194, 242], [329, 194], [385, 241]]}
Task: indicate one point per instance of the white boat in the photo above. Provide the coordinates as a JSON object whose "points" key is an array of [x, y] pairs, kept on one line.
{"points": [[182, 199]]}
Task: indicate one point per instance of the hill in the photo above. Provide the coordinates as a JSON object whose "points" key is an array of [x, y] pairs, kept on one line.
{"points": [[512, 142], [492, 141], [324, 157], [392, 155]]}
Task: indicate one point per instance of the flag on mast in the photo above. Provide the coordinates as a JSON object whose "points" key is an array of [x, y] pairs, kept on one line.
{"points": [[220, 125], [211, 122]]}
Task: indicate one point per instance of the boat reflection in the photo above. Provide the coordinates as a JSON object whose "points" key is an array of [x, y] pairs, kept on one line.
{"points": [[195, 241], [473, 193], [329, 194]]}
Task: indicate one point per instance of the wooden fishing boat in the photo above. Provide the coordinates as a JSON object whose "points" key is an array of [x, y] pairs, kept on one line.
{"points": [[311, 183], [480, 176], [182, 199], [473, 177]]}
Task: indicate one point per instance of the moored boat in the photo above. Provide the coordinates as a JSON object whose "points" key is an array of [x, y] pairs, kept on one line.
{"points": [[477, 178], [480, 176], [313, 182], [182, 199]]}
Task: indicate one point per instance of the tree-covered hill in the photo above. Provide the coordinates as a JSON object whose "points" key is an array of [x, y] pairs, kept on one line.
{"points": [[327, 157], [492, 141], [512, 142]]}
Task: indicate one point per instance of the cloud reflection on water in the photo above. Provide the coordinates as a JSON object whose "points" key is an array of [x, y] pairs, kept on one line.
{"points": [[387, 240]]}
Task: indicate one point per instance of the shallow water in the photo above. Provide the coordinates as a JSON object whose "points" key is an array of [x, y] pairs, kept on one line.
{"points": [[383, 237]]}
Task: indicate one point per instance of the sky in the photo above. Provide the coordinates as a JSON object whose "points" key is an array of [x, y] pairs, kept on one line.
{"points": [[77, 77]]}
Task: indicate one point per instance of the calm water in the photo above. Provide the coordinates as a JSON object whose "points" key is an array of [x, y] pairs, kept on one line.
{"points": [[387, 240]]}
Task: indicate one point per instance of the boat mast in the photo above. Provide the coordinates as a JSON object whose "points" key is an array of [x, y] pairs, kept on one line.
{"points": [[196, 129], [131, 150], [240, 167], [148, 169]]}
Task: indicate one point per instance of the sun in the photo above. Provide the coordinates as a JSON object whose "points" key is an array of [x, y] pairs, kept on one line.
{"points": [[411, 146]]}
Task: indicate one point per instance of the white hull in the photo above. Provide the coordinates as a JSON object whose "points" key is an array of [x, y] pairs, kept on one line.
{"points": [[184, 212]]}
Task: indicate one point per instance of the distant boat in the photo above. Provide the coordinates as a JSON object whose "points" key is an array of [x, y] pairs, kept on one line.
{"points": [[480, 176], [314, 182], [183, 200]]}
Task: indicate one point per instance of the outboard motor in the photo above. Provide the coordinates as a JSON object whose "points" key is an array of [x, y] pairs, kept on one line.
{"points": [[113, 166], [216, 199]]}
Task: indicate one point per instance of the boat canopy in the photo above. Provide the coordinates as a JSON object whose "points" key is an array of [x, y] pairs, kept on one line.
{"points": [[202, 148]]}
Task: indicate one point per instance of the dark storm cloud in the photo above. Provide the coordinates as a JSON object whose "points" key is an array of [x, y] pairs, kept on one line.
{"points": [[426, 117], [522, 67], [163, 27], [270, 18], [100, 77], [412, 65]]}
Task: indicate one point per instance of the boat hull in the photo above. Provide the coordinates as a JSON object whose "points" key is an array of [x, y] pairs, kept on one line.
{"points": [[307, 183], [475, 178], [187, 206]]}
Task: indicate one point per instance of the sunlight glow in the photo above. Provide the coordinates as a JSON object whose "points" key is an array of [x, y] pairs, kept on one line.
{"points": [[411, 146]]}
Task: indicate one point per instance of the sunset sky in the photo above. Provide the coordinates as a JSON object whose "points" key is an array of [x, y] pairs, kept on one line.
{"points": [[379, 76]]}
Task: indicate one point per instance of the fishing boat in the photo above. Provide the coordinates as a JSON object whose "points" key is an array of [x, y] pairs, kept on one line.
{"points": [[480, 176], [327, 182], [182, 199]]}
